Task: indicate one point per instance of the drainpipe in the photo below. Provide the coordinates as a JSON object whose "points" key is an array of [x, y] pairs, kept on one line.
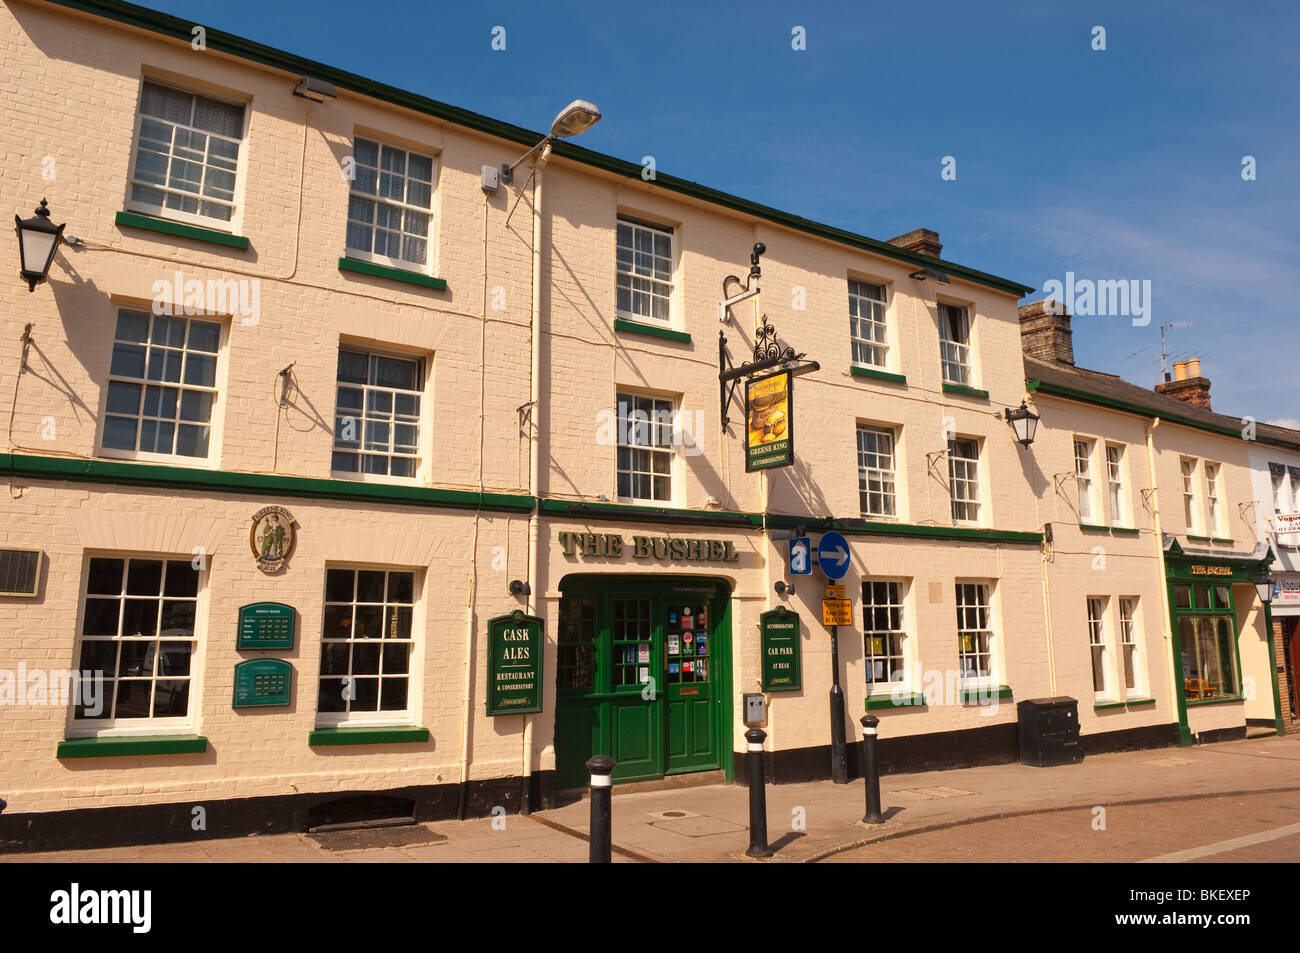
{"points": [[534, 450], [1176, 695]]}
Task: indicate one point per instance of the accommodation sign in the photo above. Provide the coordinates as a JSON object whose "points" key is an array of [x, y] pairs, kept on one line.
{"points": [[266, 625], [515, 644], [648, 547], [262, 683], [779, 642]]}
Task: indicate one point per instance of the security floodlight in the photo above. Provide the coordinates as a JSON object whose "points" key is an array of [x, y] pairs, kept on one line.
{"points": [[922, 273], [316, 90]]}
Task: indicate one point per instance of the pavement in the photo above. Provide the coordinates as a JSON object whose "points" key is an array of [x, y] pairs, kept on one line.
{"points": [[1237, 800]]}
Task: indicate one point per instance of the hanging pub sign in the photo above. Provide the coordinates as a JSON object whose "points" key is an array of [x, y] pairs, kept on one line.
{"points": [[769, 433], [779, 641], [266, 625], [262, 683], [514, 664]]}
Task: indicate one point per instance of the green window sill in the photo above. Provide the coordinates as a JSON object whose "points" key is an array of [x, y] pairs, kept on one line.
{"points": [[1218, 540], [1093, 528], [1193, 703], [1140, 702], [875, 375], [910, 700], [393, 735], [1127, 703], [651, 331], [393, 274], [130, 747], [977, 695], [967, 391], [1124, 531], [193, 232], [1199, 539]]}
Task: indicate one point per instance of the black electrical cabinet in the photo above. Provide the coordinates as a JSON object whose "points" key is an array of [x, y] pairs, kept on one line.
{"points": [[1049, 731]]}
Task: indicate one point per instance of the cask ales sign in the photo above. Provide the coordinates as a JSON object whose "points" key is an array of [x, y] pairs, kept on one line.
{"points": [[779, 642], [514, 664]]}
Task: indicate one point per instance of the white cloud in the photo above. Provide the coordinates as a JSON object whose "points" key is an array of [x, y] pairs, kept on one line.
{"points": [[1289, 422]]}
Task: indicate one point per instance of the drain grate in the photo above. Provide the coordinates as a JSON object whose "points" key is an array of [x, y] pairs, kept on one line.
{"points": [[406, 836]]}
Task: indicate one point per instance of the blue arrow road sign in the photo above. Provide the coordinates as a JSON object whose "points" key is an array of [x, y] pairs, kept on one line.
{"points": [[801, 556], [833, 555]]}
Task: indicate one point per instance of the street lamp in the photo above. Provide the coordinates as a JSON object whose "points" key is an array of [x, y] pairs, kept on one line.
{"points": [[573, 120], [1264, 587], [38, 240], [1023, 421]]}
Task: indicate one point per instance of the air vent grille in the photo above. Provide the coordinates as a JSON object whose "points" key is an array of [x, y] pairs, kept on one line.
{"points": [[20, 571]]}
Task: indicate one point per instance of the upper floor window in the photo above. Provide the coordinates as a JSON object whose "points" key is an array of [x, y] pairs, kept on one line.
{"points": [[644, 271], [963, 479], [876, 472], [1115, 484], [1281, 499], [1213, 505], [1191, 511], [954, 343], [867, 324], [186, 156], [162, 385], [377, 414], [1083, 477], [645, 448], [390, 205], [882, 621]]}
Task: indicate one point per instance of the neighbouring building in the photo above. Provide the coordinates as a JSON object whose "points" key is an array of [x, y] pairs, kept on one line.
{"points": [[361, 478]]}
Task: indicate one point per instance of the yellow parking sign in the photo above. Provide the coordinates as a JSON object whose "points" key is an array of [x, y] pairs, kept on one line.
{"points": [[837, 612]]}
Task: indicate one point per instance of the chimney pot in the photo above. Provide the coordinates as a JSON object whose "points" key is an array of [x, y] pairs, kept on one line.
{"points": [[1180, 370], [1194, 367], [1188, 385]]}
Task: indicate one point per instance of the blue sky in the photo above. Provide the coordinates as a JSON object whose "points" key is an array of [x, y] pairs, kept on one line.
{"points": [[1116, 164]]}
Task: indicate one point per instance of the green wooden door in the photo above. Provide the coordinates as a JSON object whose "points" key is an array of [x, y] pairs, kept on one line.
{"points": [[642, 676]]}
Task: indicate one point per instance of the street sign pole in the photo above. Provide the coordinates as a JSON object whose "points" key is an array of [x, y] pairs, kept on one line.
{"points": [[839, 749]]}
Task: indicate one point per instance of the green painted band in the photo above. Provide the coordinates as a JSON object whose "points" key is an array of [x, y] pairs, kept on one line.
{"points": [[1093, 528], [179, 230], [392, 274], [911, 700], [327, 737], [1125, 531], [870, 528], [180, 29], [1199, 539], [978, 695], [649, 330], [1084, 397], [1191, 703], [966, 391], [222, 481], [1216, 539], [129, 747], [876, 375], [1140, 702]]}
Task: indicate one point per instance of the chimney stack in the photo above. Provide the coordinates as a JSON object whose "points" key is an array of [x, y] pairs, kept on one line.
{"points": [[1045, 332], [1188, 385], [920, 240]]}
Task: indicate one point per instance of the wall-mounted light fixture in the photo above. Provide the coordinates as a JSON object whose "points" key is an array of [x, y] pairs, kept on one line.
{"points": [[784, 589], [1264, 587], [922, 273], [316, 90], [573, 120], [1023, 421], [38, 240], [520, 588]]}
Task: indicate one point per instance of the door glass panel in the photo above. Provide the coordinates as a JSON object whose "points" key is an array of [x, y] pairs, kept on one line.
{"points": [[687, 653], [633, 648], [577, 644]]}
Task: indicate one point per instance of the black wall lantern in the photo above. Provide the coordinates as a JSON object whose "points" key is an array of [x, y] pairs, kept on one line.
{"points": [[1023, 421], [38, 240], [1264, 587]]}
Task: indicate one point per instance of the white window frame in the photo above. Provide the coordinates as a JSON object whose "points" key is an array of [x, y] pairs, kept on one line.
{"points": [[969, 480], [1214, 500], [212, 457], [866, 310], [1117, 493], [128, 727], [1132, 659], [984, 594], [655, 423], [1083, 448], [425, 267], [887, 478], [1191, 504], [953, 353], [414, 667], [423, 437], [664, 288], [1281, 485], [892, 638], [176, 215], [1099, 648]]}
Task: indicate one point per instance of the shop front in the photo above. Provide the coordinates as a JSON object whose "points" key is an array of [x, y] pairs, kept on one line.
{"points": [[1286, 630]]}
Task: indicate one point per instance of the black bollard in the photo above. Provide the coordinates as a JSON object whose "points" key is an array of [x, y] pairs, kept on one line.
{"points": [[757, 794], [871, 770], [602, 788]]}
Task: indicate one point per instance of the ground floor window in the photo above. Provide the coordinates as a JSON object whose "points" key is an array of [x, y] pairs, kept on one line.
{"points": [[1206, 641], [882, 619], [138, 635], [366, 645], [974, 630], [1129, 646], [1097, 642]]}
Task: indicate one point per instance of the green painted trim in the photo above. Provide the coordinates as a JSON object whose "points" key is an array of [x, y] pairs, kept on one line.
{"points": [[876, 375], [649, 330], [1198, 539], [646, 514], [1125, 531], [223, 481], [1140, 702], [1093, 528], [179, 230], [180, 29], [131, 746], [913, 700], [872, 528], [1107, 705], [976, 695], [1216, 701], [1272, 665], [1216, 539], [399, 735], [967, 391], [1084, 397], [392, 274]]}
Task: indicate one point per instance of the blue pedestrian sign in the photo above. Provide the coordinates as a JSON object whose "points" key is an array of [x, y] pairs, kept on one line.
{"points": [[833, 555], [801, 556]]}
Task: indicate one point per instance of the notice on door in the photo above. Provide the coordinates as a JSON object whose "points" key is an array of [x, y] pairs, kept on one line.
{"points": [[515, 644], [779, 640]]}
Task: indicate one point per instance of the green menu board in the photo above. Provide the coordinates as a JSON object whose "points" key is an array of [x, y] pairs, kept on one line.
{"points": [[266, 625], [262, 683], [515, 645], [779, 639]]}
